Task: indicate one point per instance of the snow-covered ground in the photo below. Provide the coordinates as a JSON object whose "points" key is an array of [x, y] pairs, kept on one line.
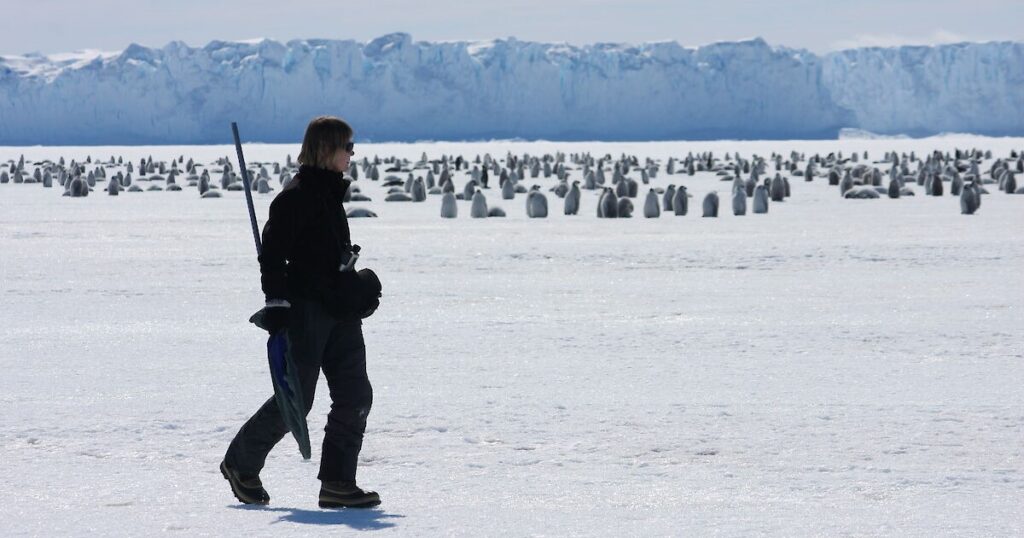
{"points": [[835, 367]]}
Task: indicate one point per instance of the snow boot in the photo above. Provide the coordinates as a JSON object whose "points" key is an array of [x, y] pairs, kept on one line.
{"points": [[346, 494], [247, 490]]}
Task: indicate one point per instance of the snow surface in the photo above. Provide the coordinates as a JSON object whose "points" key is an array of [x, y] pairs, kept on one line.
{"points": [[398, 89], [835, 367]]}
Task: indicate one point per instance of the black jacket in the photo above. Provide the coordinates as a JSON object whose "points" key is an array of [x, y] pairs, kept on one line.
{"points": [[305, 234]]}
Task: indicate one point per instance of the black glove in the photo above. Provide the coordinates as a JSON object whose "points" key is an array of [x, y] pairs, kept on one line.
{"points": [[275, 318]]}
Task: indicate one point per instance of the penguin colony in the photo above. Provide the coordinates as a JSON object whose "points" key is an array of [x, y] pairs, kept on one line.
{"points": [[751, 184]]}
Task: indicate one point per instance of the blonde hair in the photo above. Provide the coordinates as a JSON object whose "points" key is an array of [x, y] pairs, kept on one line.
{"points": [[325, 135]]}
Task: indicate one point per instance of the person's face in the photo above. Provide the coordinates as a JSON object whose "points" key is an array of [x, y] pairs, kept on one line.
{"points": [[340, 161]]}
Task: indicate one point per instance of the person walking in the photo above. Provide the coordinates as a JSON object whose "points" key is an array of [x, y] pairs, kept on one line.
{"points": [[319, 301]]}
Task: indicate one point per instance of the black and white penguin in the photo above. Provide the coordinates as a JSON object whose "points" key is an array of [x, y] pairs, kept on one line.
{"points": [[666, 200], [449, 209], [608, 205], [572, 199], [710, 204], [739, 202], [760, 200], [418, 190], [479, 208], [970, 200], [624, 209], [680, 201], [536, 204]]}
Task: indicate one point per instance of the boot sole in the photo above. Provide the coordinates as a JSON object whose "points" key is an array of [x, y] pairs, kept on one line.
{"points": [[329, 503], [241, 498]]}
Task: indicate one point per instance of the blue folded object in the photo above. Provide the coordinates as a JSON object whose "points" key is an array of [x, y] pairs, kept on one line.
{"points": [[287, 387]]}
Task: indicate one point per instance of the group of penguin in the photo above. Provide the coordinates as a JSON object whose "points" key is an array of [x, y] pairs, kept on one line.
{"points": [[748, 179]]}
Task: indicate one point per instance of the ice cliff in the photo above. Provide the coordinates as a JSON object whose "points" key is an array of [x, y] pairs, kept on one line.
{"points": [[394, 88]]}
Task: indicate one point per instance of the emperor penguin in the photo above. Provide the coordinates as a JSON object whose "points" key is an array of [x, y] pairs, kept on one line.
{"points": [[621, 189], [608, 205], [449, 209], [536, 204], [778, 189], [572, 199], [651, 208], [632, 187], [956, 185], [1010, 183], [711, 204], [666, 201], [79, 187], [845, 184], [969, 199], [894, 188], [468, 190], [508, 190], [479, 208], [760, 200], [680, 201], [418, 191], [739, 202], [625, 208]]}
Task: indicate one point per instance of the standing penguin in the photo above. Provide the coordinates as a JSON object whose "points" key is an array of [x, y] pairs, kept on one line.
{"points": [[956, 185], [760, 199], [621, 189], [739, 202], [418, 190], [778, 189], [846, 184], [572, 199], [625, 208], [711, 204], [894, 188], [680, 201], [969, 200], [479, 208], [670, 193], [449, 210], [608, 205], [468, 190], [536, 204], [651, 208], [508, 190]]}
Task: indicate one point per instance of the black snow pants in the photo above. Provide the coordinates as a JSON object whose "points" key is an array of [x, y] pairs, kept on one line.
{"points": [[318, 341]]}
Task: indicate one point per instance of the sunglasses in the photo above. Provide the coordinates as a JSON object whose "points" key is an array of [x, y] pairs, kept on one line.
{"points": [[350, 146]]}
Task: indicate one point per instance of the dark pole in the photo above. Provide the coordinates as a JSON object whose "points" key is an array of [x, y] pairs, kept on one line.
{"points": [[248, 189]]}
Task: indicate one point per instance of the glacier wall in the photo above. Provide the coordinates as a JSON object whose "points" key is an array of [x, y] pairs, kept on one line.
{"points": [[395, 89]]}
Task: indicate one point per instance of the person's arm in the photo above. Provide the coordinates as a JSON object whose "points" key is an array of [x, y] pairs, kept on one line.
{"points": [[287, 218]]}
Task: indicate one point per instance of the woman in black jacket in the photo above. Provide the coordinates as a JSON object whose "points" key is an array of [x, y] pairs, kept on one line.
{"points": [[305, 241]]}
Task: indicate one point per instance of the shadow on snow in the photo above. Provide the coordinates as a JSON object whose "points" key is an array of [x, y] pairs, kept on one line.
{"points": [[358, 519]]}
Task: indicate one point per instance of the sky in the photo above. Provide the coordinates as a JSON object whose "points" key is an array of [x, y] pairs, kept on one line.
{"points": [[52, 26]]}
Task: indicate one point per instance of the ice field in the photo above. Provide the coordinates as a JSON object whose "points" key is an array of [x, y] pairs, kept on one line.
{"points": [[833, 367]]}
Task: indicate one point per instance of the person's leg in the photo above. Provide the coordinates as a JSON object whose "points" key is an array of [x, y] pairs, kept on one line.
{"points": [[307, 337], [344, 365]]}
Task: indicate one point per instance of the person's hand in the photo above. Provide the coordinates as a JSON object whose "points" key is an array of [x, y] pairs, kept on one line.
{"points": [[275, 318]]}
